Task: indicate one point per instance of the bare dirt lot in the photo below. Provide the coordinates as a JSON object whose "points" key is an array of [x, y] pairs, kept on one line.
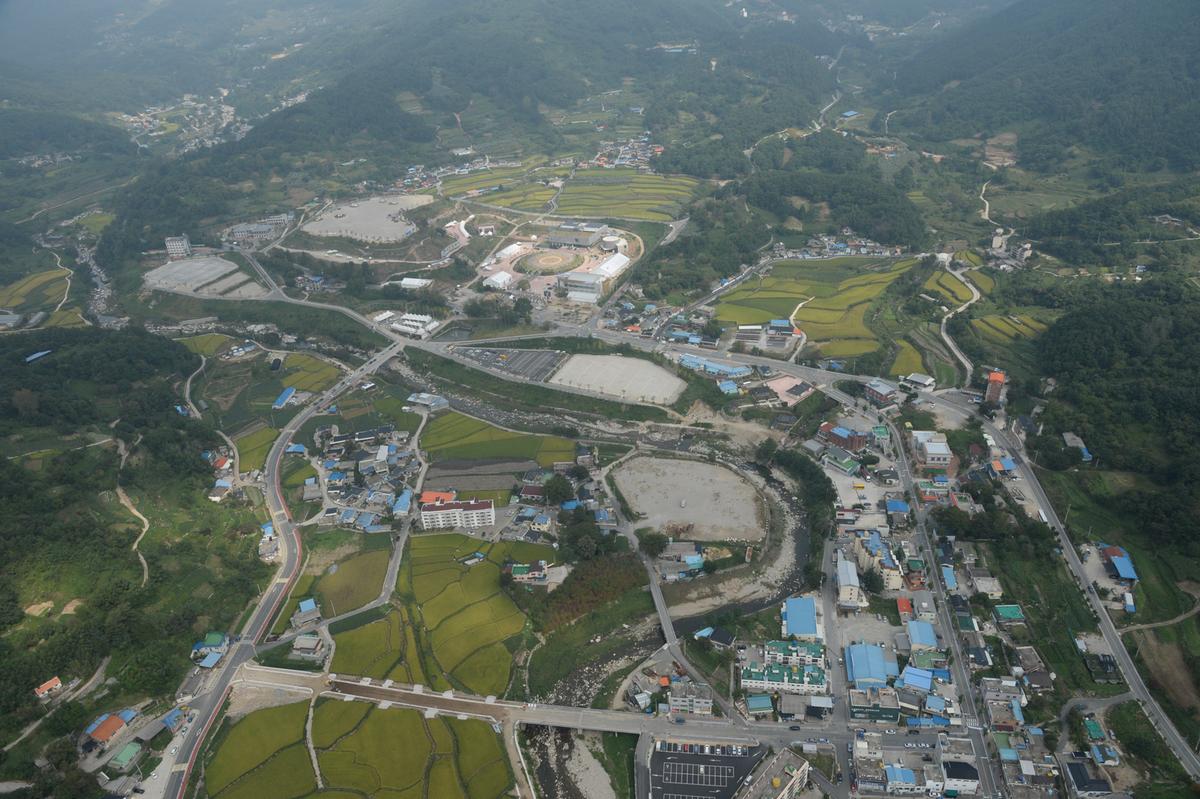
{"points": [[717, 502], [374, 219], [189, 274], [621, 378]]}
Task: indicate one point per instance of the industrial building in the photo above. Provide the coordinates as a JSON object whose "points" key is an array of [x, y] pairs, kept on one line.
{"points": [[178, 247], [415, 325], [868, 666], [800, 620]]}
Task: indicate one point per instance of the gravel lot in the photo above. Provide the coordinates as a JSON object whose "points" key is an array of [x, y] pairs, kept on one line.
{"points": [[716, 501], [621, 378], [374, 219], [188, 274]]}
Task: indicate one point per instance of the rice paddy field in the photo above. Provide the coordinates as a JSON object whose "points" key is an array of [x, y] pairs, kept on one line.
{"points": [[37, 292], [253, 448], [357, 753], [983, 281], [1003, 329], [908, 359], [308, 373], [453, 436], [461, 184], [352, 583], [528, 197], [627, 193], [453, 622], [949, 287], [828, 300], [256, 751], [206, 344]]}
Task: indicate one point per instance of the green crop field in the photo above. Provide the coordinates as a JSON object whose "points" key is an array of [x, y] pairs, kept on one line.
{"points": [[1002, 329], [453, 436], [357, 750], [253, 449], [308, 373], [970, 257], [463, 614], [356, 582], [983, 281], [948, 286], [35, 292], [529, 197], [908, 360], [828, 300], [461, 184], [378, 649], [626, 193], [206, 344], [287, 775], [251, 741]]}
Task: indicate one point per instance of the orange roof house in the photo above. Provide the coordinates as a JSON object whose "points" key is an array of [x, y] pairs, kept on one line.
{"points": [[48, 687], [106, 729]]}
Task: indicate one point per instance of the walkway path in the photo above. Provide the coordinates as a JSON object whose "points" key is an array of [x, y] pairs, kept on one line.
{"points": [[1194, 591], [129, 506]]}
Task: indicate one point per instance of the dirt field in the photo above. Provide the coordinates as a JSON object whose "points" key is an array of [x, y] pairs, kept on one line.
{"points": [[717, 502], [375, 219], [621, 378], [1166, 665], [188, 274]]}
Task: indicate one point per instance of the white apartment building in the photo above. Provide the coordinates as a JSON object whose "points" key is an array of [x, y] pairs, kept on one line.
{"points": [[448, 515]]}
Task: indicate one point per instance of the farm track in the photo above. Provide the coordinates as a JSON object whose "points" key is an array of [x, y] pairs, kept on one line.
{"points": [[129, 506]]}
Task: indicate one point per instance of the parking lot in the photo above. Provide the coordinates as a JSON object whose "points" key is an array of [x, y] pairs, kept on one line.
{"points": [[685, 769], [535, 365]]}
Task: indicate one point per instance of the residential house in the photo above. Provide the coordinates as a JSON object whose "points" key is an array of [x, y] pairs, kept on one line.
{"points": [[777, 678], [307, 612], [690, 697], [50, 686], [850, 593], [880, 392]]}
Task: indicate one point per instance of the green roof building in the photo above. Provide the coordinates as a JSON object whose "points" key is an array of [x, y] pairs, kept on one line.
{"points": [[128, 755], [758, 704], [1009, 614]]}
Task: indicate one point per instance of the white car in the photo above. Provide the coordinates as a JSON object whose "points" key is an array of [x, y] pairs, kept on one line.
{"points": [[174, 749]]}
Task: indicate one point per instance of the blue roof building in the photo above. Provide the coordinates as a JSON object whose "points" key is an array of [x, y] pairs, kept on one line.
{"points": [[570, 504], [37, 356], [868, 667], [283, 398], [917, 679], [921, 634], [948, 578], [307, 605], [296, 449], [403, 503], [210, 660], [935, 703], [800, 617], [267, 528], [223, 483], [898, 778], [728, 387], [897, 506]]}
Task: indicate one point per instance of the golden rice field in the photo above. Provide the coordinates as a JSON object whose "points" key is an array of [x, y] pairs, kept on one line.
{"points": [[34, 292], [485, 179], [983, 281], [627, 193], [828, 300], [309, 373], [1003, 329], [453, 436], [908, 359], [948, 286]]}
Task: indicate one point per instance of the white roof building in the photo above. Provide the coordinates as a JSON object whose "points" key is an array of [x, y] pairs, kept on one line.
{"points": [[499, 280]]}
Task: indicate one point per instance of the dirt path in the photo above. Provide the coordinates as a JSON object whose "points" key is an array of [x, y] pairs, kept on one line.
{"points": [[308, 742], [129, 506], [1191, 588]]}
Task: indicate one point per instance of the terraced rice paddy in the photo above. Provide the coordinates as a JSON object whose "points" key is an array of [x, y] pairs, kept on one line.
{"points": [[828, 300], [953, 290], [206, 344], [1003, 329], [259, 749], [253, 448], [441, 757], [461, 184], [530, 197], [908, 359], [36, 292], [308, 373], [453, 436], [626, 193], [983, 281]]}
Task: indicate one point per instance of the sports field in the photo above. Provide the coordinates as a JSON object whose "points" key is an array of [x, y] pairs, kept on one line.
{"points": [[626, 193], [253, 449], [246, 754], [39, 291], [308, 373], [453, 436], [948, 287], [357, 750], [828, 300]]}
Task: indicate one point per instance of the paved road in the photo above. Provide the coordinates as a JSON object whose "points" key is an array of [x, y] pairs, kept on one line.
{"points": [[208, 706]]}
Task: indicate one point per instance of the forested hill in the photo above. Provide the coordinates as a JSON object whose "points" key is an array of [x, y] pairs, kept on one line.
{"points": [[1121, 76]]}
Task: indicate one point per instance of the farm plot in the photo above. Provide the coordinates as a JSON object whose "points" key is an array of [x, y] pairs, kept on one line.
{"points": [[308, 373], [35, 292], [352, 583], [453, 436], [530, 197], [383, 648], [206, 344], [983, 281], [1001, 329], [486, 179], [358, 753], [908, 359], [828, 300], [252, 742], [253, 448], [948, 286], [465, 617], [626, 193]]}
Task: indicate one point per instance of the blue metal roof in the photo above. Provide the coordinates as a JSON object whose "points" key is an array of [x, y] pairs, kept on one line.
{"points": [[897, 506], [935, 702], [570, 504], [307, 605], [800, 616], [901, 775], [867, 667], [758, 702], [1124, 567], [295, 449], [921, 633], [210, 660], [917, 679], [948, 577], [1016, 709], [283, 397]]}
